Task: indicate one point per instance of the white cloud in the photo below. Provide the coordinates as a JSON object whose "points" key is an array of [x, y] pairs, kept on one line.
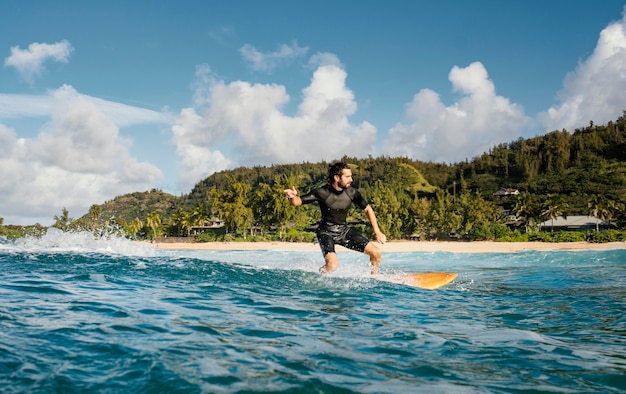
{"points": [[79, 139], [248, 120], [78, 158], [477, 121], [7, 141], [198, 162], [14, 106], [203, 80], [260, 61], [29, 62], [595, 90], [325, 59]]}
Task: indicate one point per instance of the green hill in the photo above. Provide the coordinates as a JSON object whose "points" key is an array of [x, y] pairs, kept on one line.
{"points": [[587, 164], [127, 207]]}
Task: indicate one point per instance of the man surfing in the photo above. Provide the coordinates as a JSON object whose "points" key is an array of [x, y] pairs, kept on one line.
{"points": [[335, 199]]}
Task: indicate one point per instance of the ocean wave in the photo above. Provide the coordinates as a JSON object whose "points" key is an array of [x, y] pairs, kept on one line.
{"points": [[82, 315]]}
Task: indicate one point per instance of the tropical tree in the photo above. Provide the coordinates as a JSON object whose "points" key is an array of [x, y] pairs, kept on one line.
{"points": [[387, 206], [262, 203], [153, 221], [283, 213], [181, 220], [612, 210], [64, 221], [135, 226], [420, 213], [232, 206], [602, 208], [199, 216], [595, 206], [444, 217], [527, 209], [553, 207], [94, 213], [477, 215]]}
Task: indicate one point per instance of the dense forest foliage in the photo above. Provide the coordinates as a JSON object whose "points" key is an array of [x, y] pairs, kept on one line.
{"points": [[557, 174]]}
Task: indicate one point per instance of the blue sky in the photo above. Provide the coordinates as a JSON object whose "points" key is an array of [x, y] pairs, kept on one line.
{"points": [[103, 98]]}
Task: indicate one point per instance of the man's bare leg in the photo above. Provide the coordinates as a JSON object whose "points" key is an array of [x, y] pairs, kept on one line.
{"points": [[372, 250], [331, 263]]}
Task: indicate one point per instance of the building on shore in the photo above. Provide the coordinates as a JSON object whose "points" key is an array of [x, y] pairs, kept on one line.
{"points": [[575, 223]]}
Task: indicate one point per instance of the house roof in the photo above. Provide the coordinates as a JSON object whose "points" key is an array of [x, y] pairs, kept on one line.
{"points": [[505, 191], [574, 221]]}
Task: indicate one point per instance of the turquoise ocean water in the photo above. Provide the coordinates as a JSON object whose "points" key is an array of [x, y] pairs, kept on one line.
{"points": [[79, 315]]}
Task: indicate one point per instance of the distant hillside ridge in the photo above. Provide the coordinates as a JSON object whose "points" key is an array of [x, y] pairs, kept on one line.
{"points": [[590, 161]]}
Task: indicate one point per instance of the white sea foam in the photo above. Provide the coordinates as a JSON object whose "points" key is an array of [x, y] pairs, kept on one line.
{"points": [[55, 240]]}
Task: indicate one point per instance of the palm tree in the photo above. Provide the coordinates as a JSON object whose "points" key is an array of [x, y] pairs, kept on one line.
{"points": [[232, 205], [553, 207], [153, 221], [526, 208], [64, 221], [182, 221], [596, 205], [262, 203], [199, 216], [94, 212], [607, 211], [135, 226]]}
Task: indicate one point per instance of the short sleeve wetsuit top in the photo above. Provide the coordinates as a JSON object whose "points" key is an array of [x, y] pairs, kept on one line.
{"points": [[333, 228]]}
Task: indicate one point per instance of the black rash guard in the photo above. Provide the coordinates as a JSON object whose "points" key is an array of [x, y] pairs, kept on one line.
{"points": [[333, 228], [335, 204]]}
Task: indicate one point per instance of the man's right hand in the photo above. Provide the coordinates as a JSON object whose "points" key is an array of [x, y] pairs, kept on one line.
{"points": [[290, 193]]}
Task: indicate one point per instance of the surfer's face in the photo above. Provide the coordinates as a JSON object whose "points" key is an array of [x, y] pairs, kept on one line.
{"points": [[345, 180]]}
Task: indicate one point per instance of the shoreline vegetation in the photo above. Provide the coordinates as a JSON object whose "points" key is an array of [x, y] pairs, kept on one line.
{"points": [[400, 246], [559, 187]]}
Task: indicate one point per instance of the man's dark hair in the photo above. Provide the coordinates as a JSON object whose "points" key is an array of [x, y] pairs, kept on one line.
{"points": [[336, 169]]}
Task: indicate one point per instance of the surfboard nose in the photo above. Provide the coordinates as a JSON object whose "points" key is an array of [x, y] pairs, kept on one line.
{"points": [[423, 280]]}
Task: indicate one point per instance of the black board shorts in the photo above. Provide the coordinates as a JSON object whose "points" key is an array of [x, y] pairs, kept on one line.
{"points": [[340, 234]]}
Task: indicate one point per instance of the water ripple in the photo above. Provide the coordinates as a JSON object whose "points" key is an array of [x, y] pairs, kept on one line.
{"points": [[77, 322]]}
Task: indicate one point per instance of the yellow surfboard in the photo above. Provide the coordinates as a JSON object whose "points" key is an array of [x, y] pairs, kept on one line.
{"points": [[424, 280]]}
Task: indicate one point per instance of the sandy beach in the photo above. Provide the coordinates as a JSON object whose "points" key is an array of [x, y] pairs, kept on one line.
{"points": [[405, 246]]}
